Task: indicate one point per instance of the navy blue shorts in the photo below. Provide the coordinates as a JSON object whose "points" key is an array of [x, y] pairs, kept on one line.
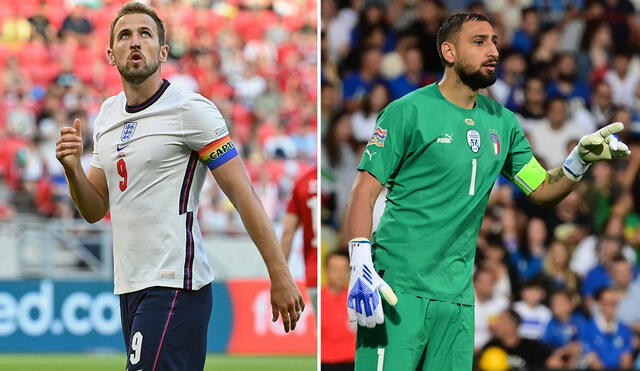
{"points": [[165, 329]]}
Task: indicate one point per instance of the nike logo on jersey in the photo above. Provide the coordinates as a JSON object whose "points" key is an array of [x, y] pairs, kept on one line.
{"points": [[369, 153], [447, 139], [121, 147]]}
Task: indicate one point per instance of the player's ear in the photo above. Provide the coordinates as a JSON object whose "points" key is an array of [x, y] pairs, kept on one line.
{"points": [[111, 57], [448, 51], [164, 53]]}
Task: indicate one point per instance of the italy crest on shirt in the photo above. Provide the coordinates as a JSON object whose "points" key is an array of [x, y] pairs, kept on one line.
{"points": [[495, 140]]}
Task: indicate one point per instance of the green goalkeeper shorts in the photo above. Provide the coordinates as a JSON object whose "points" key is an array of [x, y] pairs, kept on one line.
{"points": [[418, 334]]}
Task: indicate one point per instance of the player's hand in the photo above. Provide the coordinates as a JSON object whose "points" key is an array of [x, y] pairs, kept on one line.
{"points": [[286, 301], [69, 145], [598, 146], [363, 303]]}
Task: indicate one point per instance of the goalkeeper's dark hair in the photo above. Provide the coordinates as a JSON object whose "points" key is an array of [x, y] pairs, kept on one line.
{"points": [[137, 8], [451, 26]]}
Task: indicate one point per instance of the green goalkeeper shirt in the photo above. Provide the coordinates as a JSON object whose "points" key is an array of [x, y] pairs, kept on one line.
{"points": [[439, 162]]}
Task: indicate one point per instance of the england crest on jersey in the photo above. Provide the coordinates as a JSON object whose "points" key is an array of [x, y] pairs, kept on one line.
{"points": [[495, 139], [473, 139], [128, 130]]}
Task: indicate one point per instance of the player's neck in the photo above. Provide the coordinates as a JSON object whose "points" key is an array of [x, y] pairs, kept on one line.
{"points": [[139, 93], [455, 91]]}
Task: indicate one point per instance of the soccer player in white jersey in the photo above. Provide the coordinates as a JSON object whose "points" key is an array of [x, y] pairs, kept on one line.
{"points": [[153, 144]]}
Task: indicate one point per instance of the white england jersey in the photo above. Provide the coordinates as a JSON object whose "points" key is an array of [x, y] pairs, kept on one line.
{"points": [[155, 157]]}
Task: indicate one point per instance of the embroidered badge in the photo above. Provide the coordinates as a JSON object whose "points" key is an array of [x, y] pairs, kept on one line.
{"points": [[495, 139], [128, 130], [473, 139], [378, 137]]}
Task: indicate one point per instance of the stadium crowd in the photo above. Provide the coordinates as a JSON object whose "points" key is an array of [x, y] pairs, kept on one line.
{"points": [[255, 59], [556, 288]]}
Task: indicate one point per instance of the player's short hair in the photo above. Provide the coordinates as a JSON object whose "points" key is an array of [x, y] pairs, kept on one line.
{"points": [[137, 8], [451, 26]]}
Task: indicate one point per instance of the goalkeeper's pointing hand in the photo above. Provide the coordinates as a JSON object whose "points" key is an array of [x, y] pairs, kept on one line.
{"points": [[598, 146], [363, 303]]}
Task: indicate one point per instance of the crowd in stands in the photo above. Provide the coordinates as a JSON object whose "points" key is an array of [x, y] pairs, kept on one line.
{"points": [[556, 288], [255, 59]]}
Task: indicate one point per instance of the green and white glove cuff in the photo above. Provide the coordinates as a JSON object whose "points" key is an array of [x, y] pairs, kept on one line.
{"points": [[574, 166]]}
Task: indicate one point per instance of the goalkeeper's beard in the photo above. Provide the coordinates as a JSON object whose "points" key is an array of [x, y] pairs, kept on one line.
{"points": [[138, 75], [475, 80]]}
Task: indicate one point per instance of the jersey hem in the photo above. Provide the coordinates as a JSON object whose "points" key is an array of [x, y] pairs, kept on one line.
{"points": [[176, 284], [432, 297]]}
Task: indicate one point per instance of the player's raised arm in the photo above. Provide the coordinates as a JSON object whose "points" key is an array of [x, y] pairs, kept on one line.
{"points": [[89, 192], [286, 300], [599, 146]]}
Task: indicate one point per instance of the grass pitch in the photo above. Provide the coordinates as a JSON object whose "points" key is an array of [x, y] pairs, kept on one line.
{"points": [[111, 362]]}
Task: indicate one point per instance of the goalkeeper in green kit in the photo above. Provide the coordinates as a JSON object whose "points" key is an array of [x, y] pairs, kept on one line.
{"points": [[439, 150]]}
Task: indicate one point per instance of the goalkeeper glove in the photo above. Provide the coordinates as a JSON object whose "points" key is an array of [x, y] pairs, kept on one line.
{"points": [[363, 302], [598, 146]]}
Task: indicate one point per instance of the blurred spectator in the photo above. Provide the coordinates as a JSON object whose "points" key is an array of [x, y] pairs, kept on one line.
{"points": [[524, 38], [337, 24], [535, 315], [561, 334], [76, 25], [494, 257], [525, 254], [597, 42], [364, 121], [487, 306], [521, 353], [628, 312], [601, 106], [412, 78], [431, 13], [622, 79], [339, 159], [606, 342], [359, 83], [565, 82], [510, 79], [338, 341], [557, 271], [550, 136], [41, 24], [620, 14], [373, 18], [600, 276], [533, 105]]}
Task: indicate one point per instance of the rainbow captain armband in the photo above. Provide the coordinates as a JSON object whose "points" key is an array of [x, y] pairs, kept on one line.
{"points": [[530, 176], [218, 152]]}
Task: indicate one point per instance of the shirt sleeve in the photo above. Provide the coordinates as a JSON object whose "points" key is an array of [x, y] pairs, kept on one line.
{"points": [[205, 131], [95, 160], [521, 167], [387, 146]]}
